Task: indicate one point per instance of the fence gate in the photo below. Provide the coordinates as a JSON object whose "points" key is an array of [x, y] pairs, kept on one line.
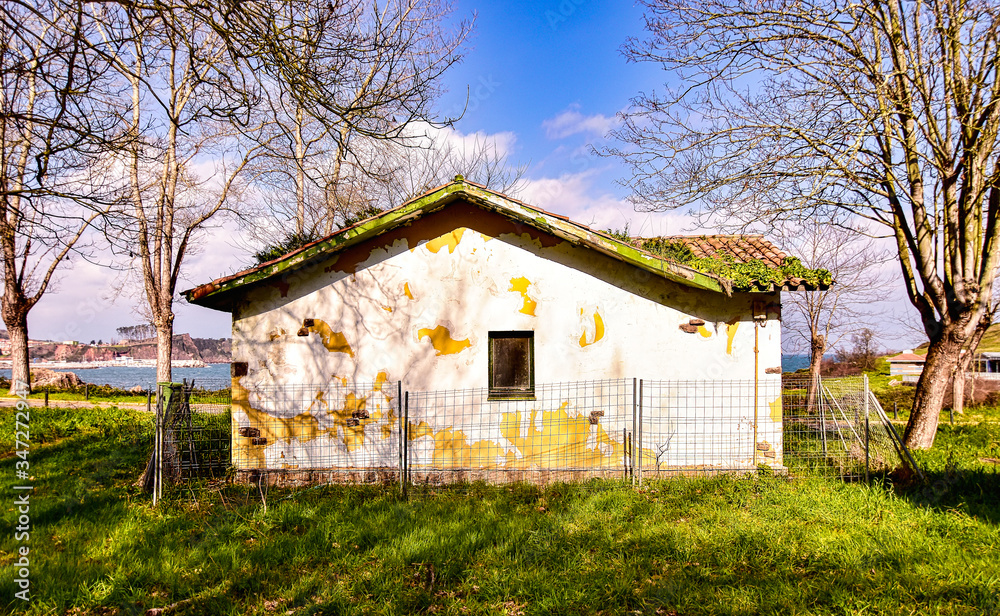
{"points": [[192, 437]]}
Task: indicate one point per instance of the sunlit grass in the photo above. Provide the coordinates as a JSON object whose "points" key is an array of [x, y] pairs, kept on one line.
{"points": [[723, 545]]}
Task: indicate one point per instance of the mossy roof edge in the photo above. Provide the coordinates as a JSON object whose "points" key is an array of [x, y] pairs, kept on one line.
{"points": [[218, 294]]}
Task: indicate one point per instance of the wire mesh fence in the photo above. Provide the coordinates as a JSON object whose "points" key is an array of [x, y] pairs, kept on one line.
{"points": [[704, 427], [564, 432], [192, 433], [631, 429], [339, 431], [836, 427]]}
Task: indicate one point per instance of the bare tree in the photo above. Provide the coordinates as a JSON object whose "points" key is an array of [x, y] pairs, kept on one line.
{"points": [[55, 127], [370, 72], [435, 157], [863, 352], [427, 159], [184, 162], [818, 320], [887, 111]]}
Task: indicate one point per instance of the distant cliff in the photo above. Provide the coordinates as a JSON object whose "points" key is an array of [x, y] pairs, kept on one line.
{"points": [[208, 350]]}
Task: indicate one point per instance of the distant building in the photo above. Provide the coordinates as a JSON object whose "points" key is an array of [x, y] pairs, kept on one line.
{"points": [[910, 365], [907, 364], [987, 364]]}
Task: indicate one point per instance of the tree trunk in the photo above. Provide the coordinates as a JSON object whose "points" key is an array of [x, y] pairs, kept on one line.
{"points": [[20, 371], [817, 347], [958, 389], [164, 350], [942, 357]]}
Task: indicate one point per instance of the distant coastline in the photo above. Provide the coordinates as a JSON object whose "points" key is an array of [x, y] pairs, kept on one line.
{"points": [[90, 365]]}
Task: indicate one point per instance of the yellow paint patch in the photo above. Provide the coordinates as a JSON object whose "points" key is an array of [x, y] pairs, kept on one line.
{"points": [[452, 450], [546, 440], [598, 330], [559, 438], [449, 240], [419, 430], [354, 436], [305, 426], [704, 332], [380, 380], [775, 410], [335, 342], [485, 237], [442, 341], [730, 334], [406, 290], [387, 308], [520, 285]]}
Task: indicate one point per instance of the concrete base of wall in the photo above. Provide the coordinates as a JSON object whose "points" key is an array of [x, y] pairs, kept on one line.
{"points": [[283, 478]]}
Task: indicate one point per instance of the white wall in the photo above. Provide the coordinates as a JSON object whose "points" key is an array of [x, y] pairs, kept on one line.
{"points": [[417, 304]]}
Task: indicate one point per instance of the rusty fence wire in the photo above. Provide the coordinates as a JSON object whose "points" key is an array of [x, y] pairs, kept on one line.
{"points": [[629, 429]]}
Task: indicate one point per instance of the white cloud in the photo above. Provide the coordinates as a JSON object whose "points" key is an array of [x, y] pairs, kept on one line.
{"points": [[571, 122], [579, 197], [465, 143]]}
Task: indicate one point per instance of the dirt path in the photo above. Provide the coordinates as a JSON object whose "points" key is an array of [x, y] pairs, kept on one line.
{"points": [[73, 404]]}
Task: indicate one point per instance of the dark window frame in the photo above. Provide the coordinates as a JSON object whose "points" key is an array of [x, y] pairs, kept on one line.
{"points": [[513, 393]]}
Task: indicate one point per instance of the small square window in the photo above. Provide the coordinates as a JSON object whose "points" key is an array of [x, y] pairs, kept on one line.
{"points": [[512, 365]]}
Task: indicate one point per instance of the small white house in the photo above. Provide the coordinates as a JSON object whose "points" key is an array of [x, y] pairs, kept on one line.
{"points": [[526, 322], [907, 365]]}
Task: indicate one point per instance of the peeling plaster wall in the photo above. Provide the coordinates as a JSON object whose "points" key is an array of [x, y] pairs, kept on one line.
{"points": [[416, 304]]}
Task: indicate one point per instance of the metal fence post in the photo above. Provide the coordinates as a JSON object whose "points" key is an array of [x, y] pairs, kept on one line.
{"points": [[635, 419], [822, 413], [631, 456], [867, 432], [399, 421], [624, 453], [157, 449], [640, 433], [406, 444]]}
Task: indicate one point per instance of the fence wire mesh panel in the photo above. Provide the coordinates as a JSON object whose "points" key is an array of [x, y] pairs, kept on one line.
{"points": [[705, 427], [193, 426], [340, 431], [376, 432], [836, 427], [567, 432]]}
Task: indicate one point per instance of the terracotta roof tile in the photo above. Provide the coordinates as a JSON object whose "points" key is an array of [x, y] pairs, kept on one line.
{"points": [[743, 248]]}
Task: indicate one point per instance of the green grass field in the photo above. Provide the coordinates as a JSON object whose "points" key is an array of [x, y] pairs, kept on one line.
{"points": [[753, 545]]}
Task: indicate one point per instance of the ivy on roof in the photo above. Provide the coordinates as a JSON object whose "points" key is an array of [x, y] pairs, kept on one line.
{"points": [[746, 275]]}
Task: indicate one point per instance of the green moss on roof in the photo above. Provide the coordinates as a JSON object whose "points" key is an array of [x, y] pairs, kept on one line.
{"points": [[718, 274], [745, 274]]}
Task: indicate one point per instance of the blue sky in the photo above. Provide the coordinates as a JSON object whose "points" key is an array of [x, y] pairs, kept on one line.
{"points": [[544, 79]]}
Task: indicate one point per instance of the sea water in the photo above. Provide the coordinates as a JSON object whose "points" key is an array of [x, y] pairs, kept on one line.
{"points": [[127, 377]]}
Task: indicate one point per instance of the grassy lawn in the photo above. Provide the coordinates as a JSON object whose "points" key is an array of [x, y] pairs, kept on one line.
{"points": [[103, 394], [696, 546]]}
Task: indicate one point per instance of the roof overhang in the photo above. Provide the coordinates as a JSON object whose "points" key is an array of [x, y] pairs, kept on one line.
{"points": [[222, 293]]}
